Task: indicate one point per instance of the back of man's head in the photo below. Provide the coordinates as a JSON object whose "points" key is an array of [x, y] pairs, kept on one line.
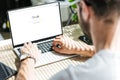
{"points": [[104, 8]]}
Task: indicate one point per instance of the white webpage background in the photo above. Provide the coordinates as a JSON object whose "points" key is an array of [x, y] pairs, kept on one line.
{"points": [[35, 23]]}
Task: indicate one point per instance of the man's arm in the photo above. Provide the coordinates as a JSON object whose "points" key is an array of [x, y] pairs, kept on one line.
{"points": [[69, 46], [26, 70]]}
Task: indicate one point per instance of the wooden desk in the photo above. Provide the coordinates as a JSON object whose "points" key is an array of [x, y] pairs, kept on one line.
{"points": [[8, 57]]}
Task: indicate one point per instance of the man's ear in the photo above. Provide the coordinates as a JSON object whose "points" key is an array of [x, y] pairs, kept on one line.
{"points": [[85, 11]]}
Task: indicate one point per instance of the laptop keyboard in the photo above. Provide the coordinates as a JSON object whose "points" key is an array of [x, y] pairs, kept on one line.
{"points": [[48, 58], [45, 46]]}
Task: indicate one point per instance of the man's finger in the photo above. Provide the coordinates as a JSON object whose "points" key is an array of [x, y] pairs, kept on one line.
{"points": [[56, 49], [24, 50], [30, 44], [56, 42], [58, 37]]}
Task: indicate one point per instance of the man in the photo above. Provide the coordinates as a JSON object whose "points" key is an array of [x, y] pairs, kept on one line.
{"points": [[102, 19]]}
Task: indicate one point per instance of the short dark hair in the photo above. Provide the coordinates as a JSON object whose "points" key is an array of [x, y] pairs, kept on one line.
{"points": [[104, 7]]}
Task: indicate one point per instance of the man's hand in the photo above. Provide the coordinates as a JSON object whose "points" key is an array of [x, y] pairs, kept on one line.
{"points": [[65, 45], [26, 70], [30, 49], [62, 44]]}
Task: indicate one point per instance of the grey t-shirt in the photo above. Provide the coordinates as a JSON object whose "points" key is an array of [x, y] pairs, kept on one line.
{"points": [[104, 65]]}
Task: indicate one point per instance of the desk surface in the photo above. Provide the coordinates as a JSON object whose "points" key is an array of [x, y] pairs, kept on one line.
{"points": [[8, 57]]}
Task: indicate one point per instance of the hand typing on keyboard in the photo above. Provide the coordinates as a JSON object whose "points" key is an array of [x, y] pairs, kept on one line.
{"points": [[26, 70], [65, 45], [31, 49]]}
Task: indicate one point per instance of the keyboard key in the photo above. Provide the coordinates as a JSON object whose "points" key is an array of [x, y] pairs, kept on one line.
{"points": [[45, 46]]}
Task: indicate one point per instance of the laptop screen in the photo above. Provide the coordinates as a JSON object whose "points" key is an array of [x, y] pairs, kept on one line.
{"points": [[35, 23]]}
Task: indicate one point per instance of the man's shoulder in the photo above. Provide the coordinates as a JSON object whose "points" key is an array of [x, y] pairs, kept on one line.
{"points": [[100, 67], [102, 64]]}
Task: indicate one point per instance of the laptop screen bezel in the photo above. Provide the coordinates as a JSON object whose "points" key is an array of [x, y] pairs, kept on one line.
{"points": [[18, 45]]}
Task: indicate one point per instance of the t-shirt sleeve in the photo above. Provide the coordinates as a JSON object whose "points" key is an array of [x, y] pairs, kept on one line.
{"points": [[62, 75], [67, 74]]}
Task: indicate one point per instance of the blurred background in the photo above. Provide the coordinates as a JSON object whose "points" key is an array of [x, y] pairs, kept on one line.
{"points": [[5, 5]]}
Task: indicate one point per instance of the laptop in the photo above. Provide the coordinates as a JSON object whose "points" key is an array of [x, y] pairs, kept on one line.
{"points": [[39, 24]]}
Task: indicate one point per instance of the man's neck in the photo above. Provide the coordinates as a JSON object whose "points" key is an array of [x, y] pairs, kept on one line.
{"points": [[108, 38], [115, 43]]}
